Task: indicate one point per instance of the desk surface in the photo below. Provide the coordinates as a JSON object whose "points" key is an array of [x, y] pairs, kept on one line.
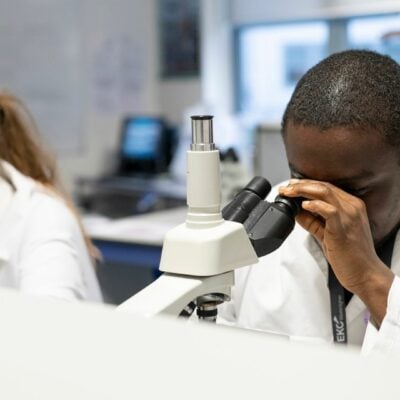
{"points": [[148, 229]]}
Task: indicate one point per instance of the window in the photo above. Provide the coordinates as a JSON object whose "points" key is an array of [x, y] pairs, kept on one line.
{"points": [[271, 61], [381, 34], [271, 58]]}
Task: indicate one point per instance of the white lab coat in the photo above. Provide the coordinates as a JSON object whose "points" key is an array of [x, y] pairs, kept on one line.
{"points": [[42, 250], [287, 293]]}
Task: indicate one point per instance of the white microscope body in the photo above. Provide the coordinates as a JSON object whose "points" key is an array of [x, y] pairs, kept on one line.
{"points": [[198, 256]]}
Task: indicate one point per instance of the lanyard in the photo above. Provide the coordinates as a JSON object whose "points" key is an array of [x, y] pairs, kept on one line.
{"points": [[337, 294]]}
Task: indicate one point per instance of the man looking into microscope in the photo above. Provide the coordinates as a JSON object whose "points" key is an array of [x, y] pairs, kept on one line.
{"points": [[334, 279]]}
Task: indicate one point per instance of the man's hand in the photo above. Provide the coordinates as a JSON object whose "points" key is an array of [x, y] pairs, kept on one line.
{"points": [[339, 222]]}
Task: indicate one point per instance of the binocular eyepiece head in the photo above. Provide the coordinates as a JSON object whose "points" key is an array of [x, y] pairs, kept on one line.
{"points": [[267, 224], [251, 195]]}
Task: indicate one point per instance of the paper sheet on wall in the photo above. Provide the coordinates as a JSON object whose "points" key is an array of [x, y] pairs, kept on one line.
{"points": [[118, 75], [40, 62]]}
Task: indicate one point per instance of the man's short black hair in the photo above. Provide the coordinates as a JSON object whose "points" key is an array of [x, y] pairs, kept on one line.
{"points": [[352, 89]]}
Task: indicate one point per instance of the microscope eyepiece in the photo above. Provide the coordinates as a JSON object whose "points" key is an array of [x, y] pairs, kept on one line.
{"points": [[246, 200], [202, 133], [260, 186], [289, 205], [201, 117]]}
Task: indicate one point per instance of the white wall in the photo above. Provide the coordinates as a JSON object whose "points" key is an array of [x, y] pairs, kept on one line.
{"points": [[176, 94], [217, 55]]}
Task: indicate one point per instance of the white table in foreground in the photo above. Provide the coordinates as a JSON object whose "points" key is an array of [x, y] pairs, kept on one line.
{"points": [[55, 350]]}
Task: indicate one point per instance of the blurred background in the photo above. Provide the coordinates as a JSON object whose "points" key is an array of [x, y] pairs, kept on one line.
{"points": [[112, 85]]}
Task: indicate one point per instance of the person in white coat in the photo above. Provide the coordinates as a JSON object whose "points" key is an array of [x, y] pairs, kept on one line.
{"points": [[43, 248], [335, 279]]}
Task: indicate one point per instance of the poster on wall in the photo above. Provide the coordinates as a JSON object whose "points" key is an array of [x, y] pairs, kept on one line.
{"points": [[179, 38]]}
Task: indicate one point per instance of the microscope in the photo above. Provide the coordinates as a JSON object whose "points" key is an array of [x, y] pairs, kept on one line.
{"points": [[199, 257]]}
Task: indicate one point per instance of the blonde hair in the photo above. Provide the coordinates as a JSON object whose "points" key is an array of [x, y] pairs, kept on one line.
{"points": [[21, 146]]}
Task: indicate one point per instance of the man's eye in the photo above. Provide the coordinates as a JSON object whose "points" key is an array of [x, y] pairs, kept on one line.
{"points": [[356, 192], [295, 175]]}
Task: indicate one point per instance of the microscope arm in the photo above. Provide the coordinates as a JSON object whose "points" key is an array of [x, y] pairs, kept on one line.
{"points": [[171, 293]]}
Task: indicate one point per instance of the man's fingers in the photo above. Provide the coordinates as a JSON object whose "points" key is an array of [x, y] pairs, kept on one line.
{"points": [[314, 190], [326, 211], [312, 224], [321, 208]]}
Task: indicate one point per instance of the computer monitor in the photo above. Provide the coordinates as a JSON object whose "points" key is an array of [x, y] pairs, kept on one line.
{"points": [[145, 146]]}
